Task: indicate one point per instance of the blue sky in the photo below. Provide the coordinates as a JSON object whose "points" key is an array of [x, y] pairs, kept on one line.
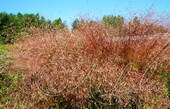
{"points": [[68, 10]]}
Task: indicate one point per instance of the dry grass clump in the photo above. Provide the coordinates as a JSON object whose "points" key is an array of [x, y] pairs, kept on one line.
{"points": [[90, 68]]}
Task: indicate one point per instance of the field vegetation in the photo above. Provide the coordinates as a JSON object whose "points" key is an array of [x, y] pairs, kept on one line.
{"points": [[45, 65]]}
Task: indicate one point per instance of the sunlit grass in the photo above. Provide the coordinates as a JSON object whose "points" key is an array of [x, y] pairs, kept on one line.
{"points": [[83, 68]]}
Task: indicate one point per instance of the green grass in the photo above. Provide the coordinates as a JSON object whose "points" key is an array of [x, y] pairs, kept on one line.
{"points": [[3, 48], [9, 80]]}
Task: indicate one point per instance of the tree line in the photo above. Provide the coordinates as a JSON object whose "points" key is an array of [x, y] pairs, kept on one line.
{"points": [[134, 27], [13, 26]]}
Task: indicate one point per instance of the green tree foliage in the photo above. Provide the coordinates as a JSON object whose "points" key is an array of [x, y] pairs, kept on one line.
{"points": [[113, 21], [58, 24], [136, 20], [12, 26], [7, 25], [75, 24]]}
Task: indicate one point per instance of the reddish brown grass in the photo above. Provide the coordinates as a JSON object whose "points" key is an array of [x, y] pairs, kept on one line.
{"points": [[79, 65]]}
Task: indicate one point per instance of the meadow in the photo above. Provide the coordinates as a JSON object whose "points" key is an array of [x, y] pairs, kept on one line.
{"points": [[53, 67]]}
